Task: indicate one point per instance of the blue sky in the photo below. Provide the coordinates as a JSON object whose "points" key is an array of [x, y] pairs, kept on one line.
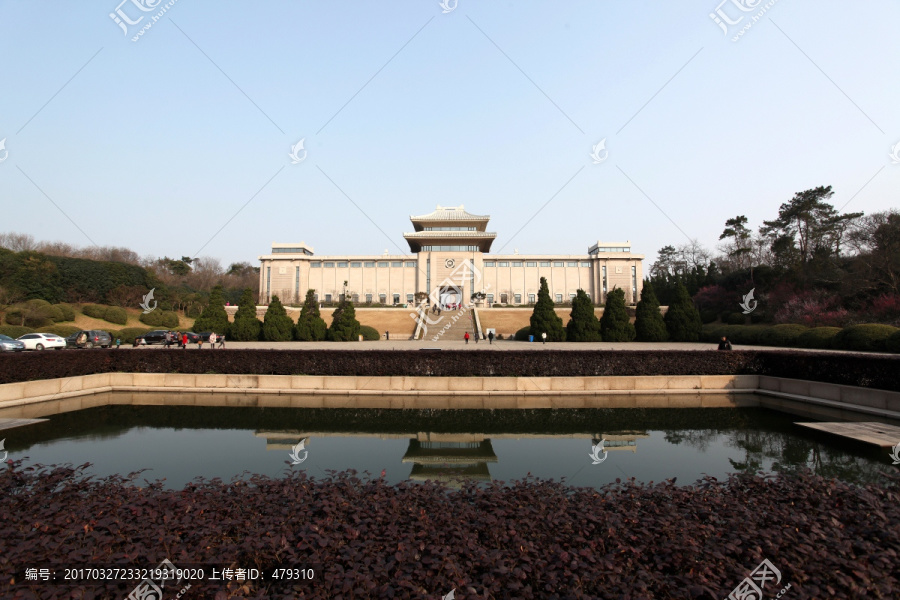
{"points": [[158, 144]]}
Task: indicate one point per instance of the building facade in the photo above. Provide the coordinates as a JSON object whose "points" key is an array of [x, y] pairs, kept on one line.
{"points": [[449, 261]]}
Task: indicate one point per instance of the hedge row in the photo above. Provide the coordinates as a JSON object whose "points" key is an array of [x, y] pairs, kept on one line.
{"points": [[531, 539], [882, 372], [859, 338], [112, 314]]}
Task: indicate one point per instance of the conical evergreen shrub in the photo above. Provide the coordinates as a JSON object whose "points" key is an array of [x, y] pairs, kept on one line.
{"points": [[213, 318], [246, 327], [344, 326], [615, 326], [544, 319], [277, 326], [310, 325], [649, 324], [583, 325], [683, 319]]}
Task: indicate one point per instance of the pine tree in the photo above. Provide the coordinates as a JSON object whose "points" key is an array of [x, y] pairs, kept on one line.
{"points": [[344, 326], [683, 319], [583, 326], [310, 325], [213, 318], [614, 324], [544, 319], [277, 326], [649, 324], [246, 327]]}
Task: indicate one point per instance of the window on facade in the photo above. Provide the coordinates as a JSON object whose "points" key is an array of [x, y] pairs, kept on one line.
{"points": [[342, 265], [585, 263], [410, 264], [504, 263], [545, 263], [397, 264], [329, 265], [558, 263], [559, 297], [382, 298], [354, 298], [490, 298], [315, 265], [531, 299], [356, 265], [409, 298], [368, 298], [327, 297], [490, 263], [369, 265], [504, 298], [571, 297], [448, 228], [396, 298], [572, 263], [530, 263], [315, 297], [518, 298], [517, 263], [382, 264], [449, 248]]}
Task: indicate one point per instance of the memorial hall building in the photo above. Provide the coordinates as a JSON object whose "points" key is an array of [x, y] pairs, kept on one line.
{"points": [[450, 259]]}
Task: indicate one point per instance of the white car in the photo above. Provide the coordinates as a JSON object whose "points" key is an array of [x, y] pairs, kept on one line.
{"points": [[40, 341]]}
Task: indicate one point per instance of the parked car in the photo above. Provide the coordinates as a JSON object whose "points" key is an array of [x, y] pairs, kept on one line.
{"points": [[155, 337], [7, 344], [40, 341], [89, 338], [193, 338]]}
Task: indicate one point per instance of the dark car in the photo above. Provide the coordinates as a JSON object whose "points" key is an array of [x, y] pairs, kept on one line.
{"points": [[7, 344], [89, 338], [155, 337]]}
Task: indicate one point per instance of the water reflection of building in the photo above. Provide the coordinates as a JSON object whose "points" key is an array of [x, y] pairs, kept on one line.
{"points": [[451, 462], [620, 440]]}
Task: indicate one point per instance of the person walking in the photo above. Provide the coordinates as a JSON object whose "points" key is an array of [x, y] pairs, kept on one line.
{"points": [[466, 337], [490, 337], [212, 340], [200, 342], [544, 337], [184, 341], [222, 341], [724, 344], [118, 343]]}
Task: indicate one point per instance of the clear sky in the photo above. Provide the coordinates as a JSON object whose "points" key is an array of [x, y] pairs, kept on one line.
{"points": [[178, 143]]}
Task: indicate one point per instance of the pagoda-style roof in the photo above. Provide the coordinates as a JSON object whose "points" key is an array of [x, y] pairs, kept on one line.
{"points": [[420, 239], [445, 453], [449, 213]]}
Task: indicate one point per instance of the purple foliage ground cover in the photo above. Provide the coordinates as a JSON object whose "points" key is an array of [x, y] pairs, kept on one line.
{"points": [[864, 370], [528, 539]]}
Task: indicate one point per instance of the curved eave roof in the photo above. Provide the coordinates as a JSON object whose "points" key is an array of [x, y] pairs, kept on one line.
{"points": [[482, 239], [454, 214]]}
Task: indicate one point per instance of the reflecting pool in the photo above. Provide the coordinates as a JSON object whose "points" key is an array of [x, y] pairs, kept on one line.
{"points": [[585, 447]]}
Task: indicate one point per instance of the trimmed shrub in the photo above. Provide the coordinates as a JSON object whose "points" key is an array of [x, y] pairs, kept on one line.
{"points": [[95, 311], [60, 330], [649, 325], [213, 317], [370, 334], [246, 326], [277, 326], [522, 334], [706, 316], [344, 326], [544, 319], [818, 337], [310, 325], [115, 314], [66, 311], [683, 320], [128, 334], [892, 344], [782, 335], [583, 325], [160, 318], [15, 331], [865, 338], [735, 318], [614, 324], [33, 313]]}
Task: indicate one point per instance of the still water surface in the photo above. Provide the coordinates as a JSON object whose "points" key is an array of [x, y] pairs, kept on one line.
{"points": [[181, 443]]}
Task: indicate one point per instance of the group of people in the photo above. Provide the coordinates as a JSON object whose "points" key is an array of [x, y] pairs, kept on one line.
{"points": [[180, 339], [490, 337]]}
